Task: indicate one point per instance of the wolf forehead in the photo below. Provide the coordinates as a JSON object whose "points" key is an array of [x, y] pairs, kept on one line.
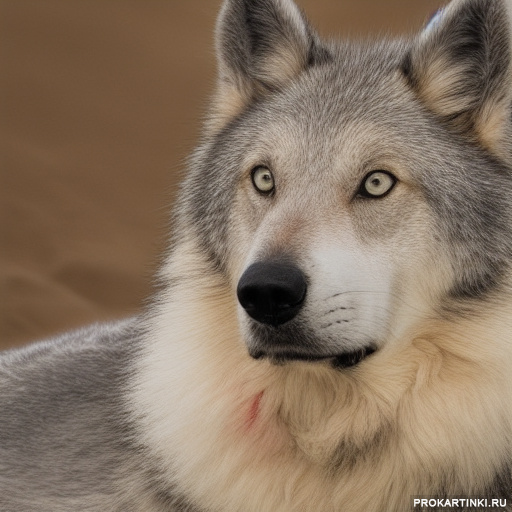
{"points": [[356, 99], [350, 94], [354, 105], [353, 83]]}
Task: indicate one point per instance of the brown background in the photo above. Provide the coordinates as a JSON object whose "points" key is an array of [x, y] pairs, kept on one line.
{"points": [[100, 102]]}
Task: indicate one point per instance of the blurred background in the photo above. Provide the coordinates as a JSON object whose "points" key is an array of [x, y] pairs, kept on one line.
{"points": [[100, 103]]}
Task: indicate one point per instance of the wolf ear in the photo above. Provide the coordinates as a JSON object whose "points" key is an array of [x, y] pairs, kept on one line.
{"points": [[461, 68], [261, 45]]}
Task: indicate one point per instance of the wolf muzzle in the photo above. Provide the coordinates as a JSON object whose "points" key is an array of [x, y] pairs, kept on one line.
{"points": [[272, 292]]}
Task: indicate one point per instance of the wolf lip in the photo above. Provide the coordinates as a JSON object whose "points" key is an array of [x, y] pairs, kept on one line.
{"points": [[352, 358], [345, 360]]}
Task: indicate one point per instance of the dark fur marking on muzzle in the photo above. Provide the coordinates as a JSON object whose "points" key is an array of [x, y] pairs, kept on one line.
{"points": [[341, 361]]}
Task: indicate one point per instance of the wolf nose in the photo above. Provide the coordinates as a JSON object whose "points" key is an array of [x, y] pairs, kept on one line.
{"points": [[272, 292]]}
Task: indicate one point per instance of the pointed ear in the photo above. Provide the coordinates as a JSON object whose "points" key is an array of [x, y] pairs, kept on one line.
{"points": [[460, 66], [261, 45]]}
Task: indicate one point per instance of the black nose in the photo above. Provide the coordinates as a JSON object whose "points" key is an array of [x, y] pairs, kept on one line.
{"points": [[272, 292]]}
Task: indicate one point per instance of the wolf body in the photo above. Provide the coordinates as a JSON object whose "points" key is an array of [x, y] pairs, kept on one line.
{"points": [[334, 326]]}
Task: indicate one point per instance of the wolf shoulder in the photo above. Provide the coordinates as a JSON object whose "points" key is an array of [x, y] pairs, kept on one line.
{"points": [[63, 424]]}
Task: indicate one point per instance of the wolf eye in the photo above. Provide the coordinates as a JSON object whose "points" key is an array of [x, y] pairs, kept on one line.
{"points": [[377, 184], [262, 179]]}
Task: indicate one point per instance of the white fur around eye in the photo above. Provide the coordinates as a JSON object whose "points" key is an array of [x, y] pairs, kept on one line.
{"points": [[263, 180], [377, 184]]}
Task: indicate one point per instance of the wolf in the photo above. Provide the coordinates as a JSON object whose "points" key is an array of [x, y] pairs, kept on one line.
{"points": [[333, 327]]}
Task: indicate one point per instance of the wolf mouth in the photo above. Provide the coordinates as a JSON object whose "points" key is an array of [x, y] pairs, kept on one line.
{"points": [[340, 361]]}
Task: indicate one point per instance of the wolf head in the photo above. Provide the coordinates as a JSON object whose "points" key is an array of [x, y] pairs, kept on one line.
{"points": [[344, 191]]}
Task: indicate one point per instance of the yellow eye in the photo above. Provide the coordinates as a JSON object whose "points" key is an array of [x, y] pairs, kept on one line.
{"points": [[377, 184], [262, 179]]}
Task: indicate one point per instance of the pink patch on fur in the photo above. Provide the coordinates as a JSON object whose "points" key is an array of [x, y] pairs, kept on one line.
{"points": [[254, 410]]}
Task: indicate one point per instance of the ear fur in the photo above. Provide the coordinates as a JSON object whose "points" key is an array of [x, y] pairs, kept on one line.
{"points": [[261, 45], [461, 68]]}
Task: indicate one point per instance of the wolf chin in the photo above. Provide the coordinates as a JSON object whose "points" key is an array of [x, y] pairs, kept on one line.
{"points": [[333, 330]]}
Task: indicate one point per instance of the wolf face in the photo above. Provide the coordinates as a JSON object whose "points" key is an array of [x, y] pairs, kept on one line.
{"points": [[345, 177], [341, 203]]}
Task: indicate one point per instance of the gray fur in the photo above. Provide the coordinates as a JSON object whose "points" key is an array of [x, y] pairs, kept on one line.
{"points": [[70, 438], [67, 442]]}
